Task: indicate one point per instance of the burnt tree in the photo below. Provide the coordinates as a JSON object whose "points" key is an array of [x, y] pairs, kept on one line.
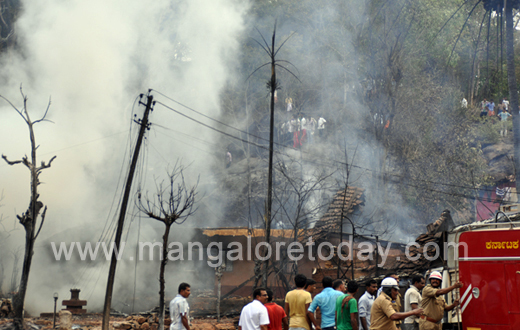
{"points": [[29, 218], [171, 204], [272, 86]]}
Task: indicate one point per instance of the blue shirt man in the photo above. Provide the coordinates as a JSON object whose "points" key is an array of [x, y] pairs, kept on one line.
{"points": [[365, 305], [326, 301]]}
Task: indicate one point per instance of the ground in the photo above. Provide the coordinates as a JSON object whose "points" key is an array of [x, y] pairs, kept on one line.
{"points": [[93, 322]]}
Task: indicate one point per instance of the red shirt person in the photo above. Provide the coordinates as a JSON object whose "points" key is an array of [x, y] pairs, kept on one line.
{"points": [[277, 315]]}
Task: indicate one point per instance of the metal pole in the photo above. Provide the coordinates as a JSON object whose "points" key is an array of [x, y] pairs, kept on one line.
{"points": [[352, 252], [377, 256], [54, 316]]}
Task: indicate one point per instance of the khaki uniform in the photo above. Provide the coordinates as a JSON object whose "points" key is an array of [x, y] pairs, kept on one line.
{"points": [[397, 306], [381, 312], [433, 308]]}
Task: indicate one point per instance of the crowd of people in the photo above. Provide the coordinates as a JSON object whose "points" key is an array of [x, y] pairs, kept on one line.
{"points": [[301, 129], [377, 309], [501, 110]]}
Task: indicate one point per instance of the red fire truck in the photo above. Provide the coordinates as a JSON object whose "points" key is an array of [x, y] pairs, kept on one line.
{"points": [[485, 257]]}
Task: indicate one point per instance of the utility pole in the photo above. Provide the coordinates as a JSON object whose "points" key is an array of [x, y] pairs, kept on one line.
{"points": [[513, 88], [268, 218], [122, 213], [377, 256]]}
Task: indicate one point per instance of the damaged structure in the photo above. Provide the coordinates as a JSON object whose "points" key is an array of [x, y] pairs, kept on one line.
{"points": [[74, 304]]}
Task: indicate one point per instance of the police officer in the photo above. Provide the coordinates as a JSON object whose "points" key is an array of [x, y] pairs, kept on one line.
{"points": [[434, 304], [383, 314]]}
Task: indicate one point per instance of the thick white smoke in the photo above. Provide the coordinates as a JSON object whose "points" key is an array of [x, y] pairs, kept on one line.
{"points": [[94, 58]]}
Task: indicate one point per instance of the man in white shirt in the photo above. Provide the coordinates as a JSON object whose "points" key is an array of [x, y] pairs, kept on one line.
{"points": [[412, 300], [365, 304], [254, 315], [321, 126], [505, 102], [179, 309]]}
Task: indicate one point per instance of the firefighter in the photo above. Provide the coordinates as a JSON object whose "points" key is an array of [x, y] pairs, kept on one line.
{"points": [[434, 304], [383, 314]]}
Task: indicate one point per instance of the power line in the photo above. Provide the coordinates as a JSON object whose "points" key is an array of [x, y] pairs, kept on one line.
{"points": [[306, 152]]}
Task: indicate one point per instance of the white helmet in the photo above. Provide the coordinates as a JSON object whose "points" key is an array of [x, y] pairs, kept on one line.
{"points": [[436, 275], [390, 282]]}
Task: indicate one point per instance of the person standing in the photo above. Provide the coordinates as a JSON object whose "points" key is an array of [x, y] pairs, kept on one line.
{"points": [[303, 129], [254, 316], [288, 103], [277, 316], [491, 108], [434, 304], [321, 126], [339, 285], [396, 303], [503, 122], [295, 127], [365, 304], [297, 303], [179, 309], [326, 301], [484, 108], [310, 286], [229, 158], [383, 314], [290, 130], [311, 129], [346, 308], [412, 300], [505, 102]]}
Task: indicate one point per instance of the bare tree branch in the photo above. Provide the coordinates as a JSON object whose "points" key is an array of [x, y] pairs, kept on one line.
{"points": [[172, 204], [45, 114], [46, 165], [11, 162]]}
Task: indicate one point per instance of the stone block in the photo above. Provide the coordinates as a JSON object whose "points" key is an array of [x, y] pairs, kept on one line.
{"points": [[122, 325], [224, 326], [206, 326], [65, 322]]}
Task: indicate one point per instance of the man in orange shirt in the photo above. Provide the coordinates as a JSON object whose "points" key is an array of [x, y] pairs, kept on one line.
{"points": [[277, 316]]}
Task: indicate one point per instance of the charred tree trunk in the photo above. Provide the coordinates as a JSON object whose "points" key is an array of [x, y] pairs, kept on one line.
{"points": [[164, 260], [268, 216], [30, 217], [173, 204], [218, 273]]}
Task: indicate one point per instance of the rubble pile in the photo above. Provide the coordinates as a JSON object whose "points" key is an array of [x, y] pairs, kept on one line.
{"points": [[137, 322], [140, 322]]}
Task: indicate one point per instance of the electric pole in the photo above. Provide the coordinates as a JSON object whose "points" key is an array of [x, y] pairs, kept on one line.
{"points": [[122, 213], [268, 217]]}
